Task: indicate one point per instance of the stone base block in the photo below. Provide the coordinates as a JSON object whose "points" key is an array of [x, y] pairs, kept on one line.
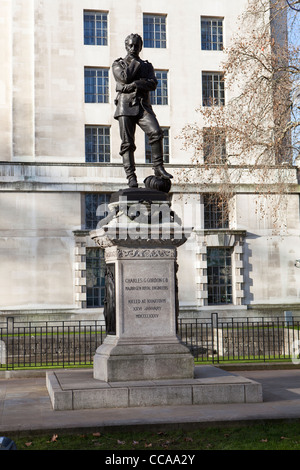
{"points": [[77, 389], [142, 359]]}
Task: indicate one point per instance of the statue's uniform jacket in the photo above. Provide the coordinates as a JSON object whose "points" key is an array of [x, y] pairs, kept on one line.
{"points": [[135, 79], [140, 72]]}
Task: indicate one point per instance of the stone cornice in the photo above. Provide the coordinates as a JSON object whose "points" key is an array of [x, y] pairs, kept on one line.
{"points": [[109, 177]]}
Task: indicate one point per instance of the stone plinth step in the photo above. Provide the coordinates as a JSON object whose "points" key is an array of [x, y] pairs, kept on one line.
{"points": [[77, 389]]}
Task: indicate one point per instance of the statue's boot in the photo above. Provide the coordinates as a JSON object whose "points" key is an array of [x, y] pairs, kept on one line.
{"points": [[158, 161], [129, 167]]}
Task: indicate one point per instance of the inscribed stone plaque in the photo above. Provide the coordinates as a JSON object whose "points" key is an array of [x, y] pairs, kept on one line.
{"points": [[148, 298]]}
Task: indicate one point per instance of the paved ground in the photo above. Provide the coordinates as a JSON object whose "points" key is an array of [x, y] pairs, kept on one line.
{"points": [[25, 405]]}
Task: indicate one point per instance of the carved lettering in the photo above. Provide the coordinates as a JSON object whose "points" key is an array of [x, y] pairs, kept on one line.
{"points": [[146, 304]]}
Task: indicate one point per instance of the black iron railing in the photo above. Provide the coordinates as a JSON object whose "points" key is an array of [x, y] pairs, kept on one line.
{"points": [[49, 343], [54, 344], [219, 340]]}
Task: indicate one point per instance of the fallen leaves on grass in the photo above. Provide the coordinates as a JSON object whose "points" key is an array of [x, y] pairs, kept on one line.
{"points": [[53, 438]]}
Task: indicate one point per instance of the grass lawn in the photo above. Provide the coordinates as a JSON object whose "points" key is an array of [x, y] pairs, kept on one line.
{"points": [[262, 436]]}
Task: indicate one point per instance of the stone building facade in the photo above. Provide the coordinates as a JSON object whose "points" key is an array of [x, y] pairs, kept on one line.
{"points": [[59, 159]]}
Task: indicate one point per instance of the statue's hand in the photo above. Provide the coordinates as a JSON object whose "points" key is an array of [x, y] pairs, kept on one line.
{"points": [[129, 88]]}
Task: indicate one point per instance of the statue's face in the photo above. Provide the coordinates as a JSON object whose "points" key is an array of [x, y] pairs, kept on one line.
{"points": [[133, 47]]}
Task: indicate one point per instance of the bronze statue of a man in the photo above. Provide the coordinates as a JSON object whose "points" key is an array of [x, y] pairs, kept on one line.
{"points": [[135, 78]]}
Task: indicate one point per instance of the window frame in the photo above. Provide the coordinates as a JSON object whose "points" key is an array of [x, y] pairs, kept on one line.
{"points": [[91, 219], [214, 143], [220, 284], [159, 97], [208, 45], [92, 39], [94, 83], [213, 89], [216, 214], [95, 267], [99, 157], [159, 31]]}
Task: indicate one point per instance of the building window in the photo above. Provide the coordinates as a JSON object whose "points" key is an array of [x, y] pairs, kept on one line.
{"points": [[211, 34], [95, 277], [214, 146], [96, 85], [97, 144], [166, 149], [95, 28], [213, 93], [215, 212], [155, 31], [160, 95], [96, 208], [219, 276]]}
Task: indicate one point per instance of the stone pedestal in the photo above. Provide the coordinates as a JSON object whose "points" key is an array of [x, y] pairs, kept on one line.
{"points": [[140, 242], [142, 362], [145, 345]]}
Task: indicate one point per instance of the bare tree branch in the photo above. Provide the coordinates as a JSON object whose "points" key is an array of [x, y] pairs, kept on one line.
{"points": [[260, 120]]}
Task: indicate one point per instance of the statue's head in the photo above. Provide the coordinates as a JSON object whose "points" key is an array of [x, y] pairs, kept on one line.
{"points": [[134, 44]]}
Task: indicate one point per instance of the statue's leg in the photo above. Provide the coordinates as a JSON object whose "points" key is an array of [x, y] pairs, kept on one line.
{"points": [[157, 160], [127, 127], [129, 167], [151, 127]]}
